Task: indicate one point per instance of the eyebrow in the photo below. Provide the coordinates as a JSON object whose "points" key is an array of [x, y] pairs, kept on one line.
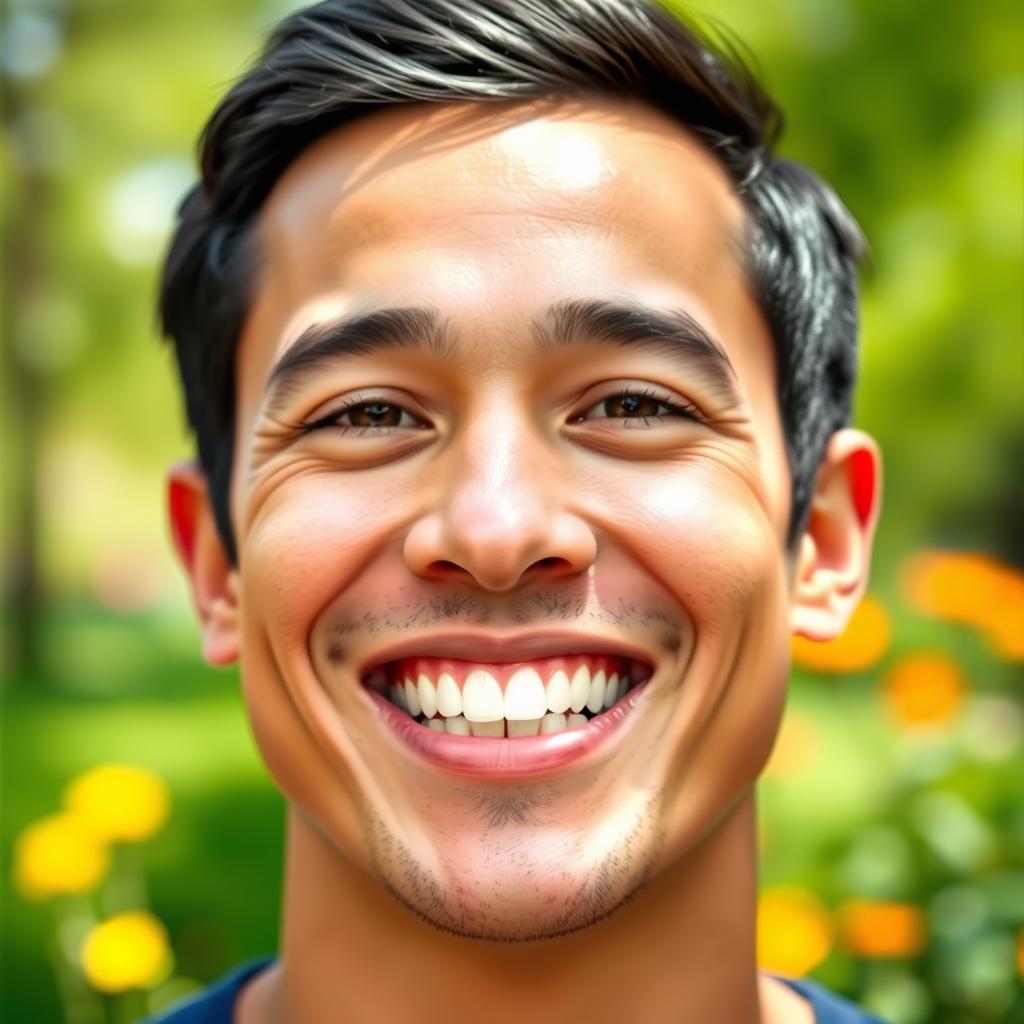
{"points": [[360, 335], [674, 334]]}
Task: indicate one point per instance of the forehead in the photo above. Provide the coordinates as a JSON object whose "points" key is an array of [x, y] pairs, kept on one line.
{"points": [[472, 185], [377, 179]]}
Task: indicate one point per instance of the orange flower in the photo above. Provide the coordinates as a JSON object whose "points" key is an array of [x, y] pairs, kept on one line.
{"points": [[973, 589], [924, 689], [863, 643], [873, 929], [794, 933], [1005, 631]]}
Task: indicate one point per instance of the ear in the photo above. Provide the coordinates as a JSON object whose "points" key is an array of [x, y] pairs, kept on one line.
{"points": [[834, 552], [213, 579]]}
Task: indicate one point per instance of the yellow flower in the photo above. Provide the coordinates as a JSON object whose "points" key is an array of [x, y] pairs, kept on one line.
{"points": [[864, 641], [119, 801], [794, 933], [58, 854], [127, 951], [924, 689], [874, 929]]}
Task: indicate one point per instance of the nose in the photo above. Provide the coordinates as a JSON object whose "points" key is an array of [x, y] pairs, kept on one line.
{"points": [[502, 516]]}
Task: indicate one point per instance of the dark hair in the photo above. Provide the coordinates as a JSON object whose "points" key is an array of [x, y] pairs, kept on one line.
{"points": [[330, 63]]}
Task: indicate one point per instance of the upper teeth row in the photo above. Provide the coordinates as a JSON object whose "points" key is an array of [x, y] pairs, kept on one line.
{"points": [[525, 697]]}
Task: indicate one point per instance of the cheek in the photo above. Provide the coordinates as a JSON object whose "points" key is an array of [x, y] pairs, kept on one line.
{"points": [[702, 532], [309, 540], [717, 549]]}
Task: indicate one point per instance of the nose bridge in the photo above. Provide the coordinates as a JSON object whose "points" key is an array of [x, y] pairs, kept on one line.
{"points": [[498, 497], [498, 510]]}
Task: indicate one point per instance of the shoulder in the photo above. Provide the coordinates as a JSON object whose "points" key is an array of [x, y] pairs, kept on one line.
{"points": [[829, 1008], [216, 1004]]}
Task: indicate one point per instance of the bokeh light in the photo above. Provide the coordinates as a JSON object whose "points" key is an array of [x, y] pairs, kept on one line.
{"points": [[128, 951], [58, 855], [119, 801], [976, 590], [874, 928], [794, 931], [923, 688]]}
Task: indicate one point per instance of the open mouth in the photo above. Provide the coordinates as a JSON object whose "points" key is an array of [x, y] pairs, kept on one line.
{"points": [[537, 697]]}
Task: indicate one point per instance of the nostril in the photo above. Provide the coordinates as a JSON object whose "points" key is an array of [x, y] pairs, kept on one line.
{"points": [[549, 567], [443, 567]]}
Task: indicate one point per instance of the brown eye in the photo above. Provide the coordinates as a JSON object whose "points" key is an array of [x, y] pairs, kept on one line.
{"points": [[635, 408], [365, 417], [374, 414], [631, 405]]}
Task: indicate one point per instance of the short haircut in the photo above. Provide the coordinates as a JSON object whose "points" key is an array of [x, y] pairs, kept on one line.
{"points": [[328, 64]]}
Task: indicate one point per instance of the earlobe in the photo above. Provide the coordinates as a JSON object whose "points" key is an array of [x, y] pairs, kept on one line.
{"points": [[214, 581], [834, 553]]}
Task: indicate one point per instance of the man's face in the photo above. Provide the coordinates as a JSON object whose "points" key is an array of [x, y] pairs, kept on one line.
{"points": [[569, 459]]}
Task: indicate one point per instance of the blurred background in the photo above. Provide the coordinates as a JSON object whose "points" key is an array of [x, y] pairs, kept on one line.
{"points": [[140, 835]]}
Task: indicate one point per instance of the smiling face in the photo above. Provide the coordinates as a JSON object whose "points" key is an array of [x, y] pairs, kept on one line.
{"points": [[506, 406]]}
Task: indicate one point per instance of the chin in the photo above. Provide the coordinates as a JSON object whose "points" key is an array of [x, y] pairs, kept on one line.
{"points": [[539, 915], [518, 883]]}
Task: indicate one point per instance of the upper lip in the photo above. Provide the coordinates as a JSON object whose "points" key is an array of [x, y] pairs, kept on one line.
{"points": [[492, 648]]}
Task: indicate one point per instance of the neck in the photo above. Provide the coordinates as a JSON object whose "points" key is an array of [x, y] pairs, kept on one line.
{"points": [[682, 950]]}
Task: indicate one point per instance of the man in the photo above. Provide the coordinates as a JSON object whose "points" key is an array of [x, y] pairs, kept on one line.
{"points": [[520, 370]]}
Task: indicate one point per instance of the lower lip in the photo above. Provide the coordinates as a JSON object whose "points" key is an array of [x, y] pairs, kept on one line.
{"points": [[511, 758]]}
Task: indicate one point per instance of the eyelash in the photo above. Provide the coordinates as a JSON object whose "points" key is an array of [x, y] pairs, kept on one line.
{"points": [[687, 411]]}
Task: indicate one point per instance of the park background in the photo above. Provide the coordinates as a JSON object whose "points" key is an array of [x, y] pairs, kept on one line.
{"points": [[893, 824]]}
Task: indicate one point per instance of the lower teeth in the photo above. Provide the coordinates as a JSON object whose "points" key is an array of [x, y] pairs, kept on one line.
{"points": [[537, 727]]}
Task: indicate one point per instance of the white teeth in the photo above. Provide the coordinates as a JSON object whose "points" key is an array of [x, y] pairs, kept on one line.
{"points": [[529, 727], [412, 699], [437, 724], [427, 695], [524, 696], [611, 689], [558, 692], [482, 700], [623, 687], [487, 728], [552, 723], [579, 688], [526, 699], [449, 699], [456, 726]]}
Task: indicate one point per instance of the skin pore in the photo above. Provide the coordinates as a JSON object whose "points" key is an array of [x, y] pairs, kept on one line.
{"points": [[504, 462]]}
